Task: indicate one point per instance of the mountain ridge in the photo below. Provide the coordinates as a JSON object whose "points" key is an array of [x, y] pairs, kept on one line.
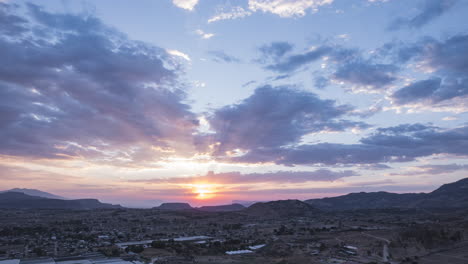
{"points": [[451, 195], [35, 192], [18, 200]]}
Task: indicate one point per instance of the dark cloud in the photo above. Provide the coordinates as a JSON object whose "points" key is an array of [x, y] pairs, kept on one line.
{"points": [[281, 77], [431, 9], [276, 116], [445, 56], [270, 177], [416, 91], [449, 55], [432, 91], [221, 56], [395, 144], [376, 166], [350, 66], [294, 62], [85, 90], [274, 50], [404, 129], [321, 82], [248, 83], [447, 59], [366, 74], [11, 24]]}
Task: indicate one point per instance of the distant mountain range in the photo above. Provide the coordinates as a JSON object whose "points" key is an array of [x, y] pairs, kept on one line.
{"points": [[34, 192], [19, 200], [452, 195]]}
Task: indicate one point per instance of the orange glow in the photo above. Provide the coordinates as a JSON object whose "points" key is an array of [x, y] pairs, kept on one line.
{"points": [[203, 191]]}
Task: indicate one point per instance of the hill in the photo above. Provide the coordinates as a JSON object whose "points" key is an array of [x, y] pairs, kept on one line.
{"points": [[34, 192], [18, 200], [222, 208], [452, 195], [174, 206], [282, 208]]}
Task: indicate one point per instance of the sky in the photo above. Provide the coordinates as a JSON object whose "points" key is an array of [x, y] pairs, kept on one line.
{"points": [[215, 101]]}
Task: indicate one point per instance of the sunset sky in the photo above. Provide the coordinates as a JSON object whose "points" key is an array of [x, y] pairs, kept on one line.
{"points": [[210, 101]]}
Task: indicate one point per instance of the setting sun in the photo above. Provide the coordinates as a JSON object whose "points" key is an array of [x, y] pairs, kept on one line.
{"points": [[203, 191]]}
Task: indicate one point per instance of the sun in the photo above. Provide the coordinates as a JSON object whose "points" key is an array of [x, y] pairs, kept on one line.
{"points": [[203, 191]]}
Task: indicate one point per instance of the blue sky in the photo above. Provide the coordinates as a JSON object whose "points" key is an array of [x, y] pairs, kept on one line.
{"points": [[211, 101]]}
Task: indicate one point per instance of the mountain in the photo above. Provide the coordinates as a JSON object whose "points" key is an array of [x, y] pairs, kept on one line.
{"points": [[174, 206], [247, 203], [363, 200], [222, 208], [18, 200], [282, 208], [34, 192], [452, 195]]}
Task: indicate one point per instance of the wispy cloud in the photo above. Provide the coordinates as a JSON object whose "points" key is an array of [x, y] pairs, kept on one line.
{"points": [[249, 178], [179, 54], [203, 34], [287, 8], [233, 13], [430, 10], [185, 4], [221, 56]]}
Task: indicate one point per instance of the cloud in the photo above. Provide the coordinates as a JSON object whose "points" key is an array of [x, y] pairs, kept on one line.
{"points": [[203, 34], [178, 54], [276, 49], [447, 63], [287, 8], [416, 91], [221, 56], [282, 8], [233, 13], [394, 144], [366, 75], [431, 91], [350, 66], [249, 178], [433, 169], [274, 117], [248, 83], [294, 62], [449, 55], [11, 24], [185, 4], [16, 174], [72, 87], [430, 10]]}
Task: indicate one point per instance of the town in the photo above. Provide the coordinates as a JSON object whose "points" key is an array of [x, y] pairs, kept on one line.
{"points": [[247, 236]]}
